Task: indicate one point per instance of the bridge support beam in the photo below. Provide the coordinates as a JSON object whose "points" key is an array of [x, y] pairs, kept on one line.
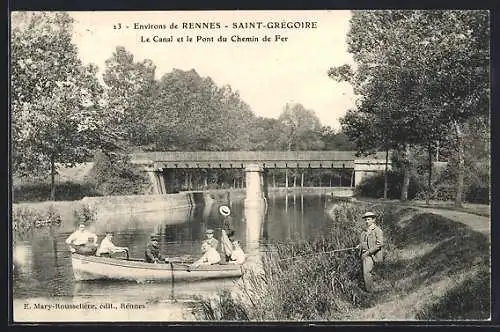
{"points": [[364, 168], [255, 195], [254, 212], [157, 179]]}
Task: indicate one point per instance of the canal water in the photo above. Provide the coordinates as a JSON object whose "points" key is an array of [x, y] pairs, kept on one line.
{"points": [[43, 274]]}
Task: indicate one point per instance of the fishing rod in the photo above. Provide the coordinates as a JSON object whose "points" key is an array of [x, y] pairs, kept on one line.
{"points": [[319, 253]]}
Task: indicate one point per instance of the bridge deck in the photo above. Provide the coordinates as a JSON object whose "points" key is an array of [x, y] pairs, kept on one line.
{"points": [[239, 159]]}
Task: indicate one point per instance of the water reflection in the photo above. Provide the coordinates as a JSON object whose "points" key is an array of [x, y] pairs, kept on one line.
{"points": [[43, 263]]}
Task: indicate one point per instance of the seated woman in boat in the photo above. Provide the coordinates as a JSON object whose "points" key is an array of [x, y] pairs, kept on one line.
{"points": [[210, 256], [237, 255], [108, 248], [82, 241], [152, 252]]}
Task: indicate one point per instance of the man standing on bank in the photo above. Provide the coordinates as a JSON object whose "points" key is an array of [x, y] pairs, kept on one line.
{"points": [[371, 243]]}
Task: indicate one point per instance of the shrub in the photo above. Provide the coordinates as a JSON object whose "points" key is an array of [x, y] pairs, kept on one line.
{"points": [[373, 186], [113, 174], [25, 220], [40, 191], [85, 214]]}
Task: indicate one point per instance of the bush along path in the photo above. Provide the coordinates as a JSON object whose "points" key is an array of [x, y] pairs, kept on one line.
{"points": [[434, 268]]}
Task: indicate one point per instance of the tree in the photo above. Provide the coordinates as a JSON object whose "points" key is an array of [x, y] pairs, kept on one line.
{"points": [[426, 71], [335, 140], [131, 93], [56, 101], [268, 134], [302, 128]]}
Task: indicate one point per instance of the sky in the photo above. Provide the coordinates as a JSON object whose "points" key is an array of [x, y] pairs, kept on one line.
{"points": [[267, 74]]}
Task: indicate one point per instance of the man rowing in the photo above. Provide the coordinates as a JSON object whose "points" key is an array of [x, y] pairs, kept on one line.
{"points": [[152, 253]]}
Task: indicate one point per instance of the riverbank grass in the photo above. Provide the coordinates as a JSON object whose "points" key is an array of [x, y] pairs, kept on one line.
{"points": [[434, 269]]}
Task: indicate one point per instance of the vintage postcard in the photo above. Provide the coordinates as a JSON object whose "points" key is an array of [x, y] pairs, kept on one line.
{"points": [[251, 166]]}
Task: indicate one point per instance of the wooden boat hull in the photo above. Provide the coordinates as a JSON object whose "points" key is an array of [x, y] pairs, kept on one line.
{"points": [[96, 268]]}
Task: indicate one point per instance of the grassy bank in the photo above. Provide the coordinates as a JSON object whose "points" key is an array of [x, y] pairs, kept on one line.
{"points": [[434, 269]]}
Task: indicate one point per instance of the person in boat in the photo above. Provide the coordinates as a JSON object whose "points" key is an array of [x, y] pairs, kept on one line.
{"points": [[237, 255], [210, 256], [371, 243], [210, 239], [152, 253], [107, 248], [82, 241], [227, 233], [227, 222]]}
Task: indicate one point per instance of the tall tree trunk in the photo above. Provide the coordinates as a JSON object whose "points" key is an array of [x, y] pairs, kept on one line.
{"points": [[52, 179], [407, 173], [302, 180], [437, 150], [386, 180], [460, 166], [429, 179], [286, 178]]}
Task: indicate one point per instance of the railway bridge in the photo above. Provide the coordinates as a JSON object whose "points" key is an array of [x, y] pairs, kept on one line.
{"points": [[161, 166]]}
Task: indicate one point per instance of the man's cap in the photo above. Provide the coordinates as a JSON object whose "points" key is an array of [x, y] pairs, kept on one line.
{"points": [[109, 233], [369, 214], [154, 236], [209, 231], [225, 210]]}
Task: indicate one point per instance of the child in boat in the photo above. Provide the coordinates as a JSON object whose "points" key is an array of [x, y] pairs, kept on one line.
{"points": [[237, 255], [210, 256]]}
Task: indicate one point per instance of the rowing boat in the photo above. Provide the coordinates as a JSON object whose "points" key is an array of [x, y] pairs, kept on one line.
{"points": [[96, 268]]}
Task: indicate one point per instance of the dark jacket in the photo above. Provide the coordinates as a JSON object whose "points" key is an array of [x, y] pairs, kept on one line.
{"points": [[227, 225], [373, 241], [152, 253]]}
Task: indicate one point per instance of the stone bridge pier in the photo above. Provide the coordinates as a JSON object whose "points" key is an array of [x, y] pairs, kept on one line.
{"points": [[255, 185], [364, 168]]}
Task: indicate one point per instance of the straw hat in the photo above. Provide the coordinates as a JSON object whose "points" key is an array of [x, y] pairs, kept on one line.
{"points": [[209, 231], [225, 210]]}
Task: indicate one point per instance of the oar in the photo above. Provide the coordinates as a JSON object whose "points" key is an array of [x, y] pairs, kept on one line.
{"points": [[319, 253]]}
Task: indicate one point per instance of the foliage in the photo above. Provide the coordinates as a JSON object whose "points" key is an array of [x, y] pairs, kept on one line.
{"points": [[302, 128], [40, 191], [336, 140], [85, 214], [420, 75], [113, 174], [131, 90], [25, 220], [56, 101], [373, 186]]}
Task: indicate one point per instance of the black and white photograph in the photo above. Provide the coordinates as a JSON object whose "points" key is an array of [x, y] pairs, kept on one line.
{"points": [[250, 166]]}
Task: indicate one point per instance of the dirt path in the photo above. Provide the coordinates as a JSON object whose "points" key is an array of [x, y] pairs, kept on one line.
{"points": [[477, 223], [403, 301]]}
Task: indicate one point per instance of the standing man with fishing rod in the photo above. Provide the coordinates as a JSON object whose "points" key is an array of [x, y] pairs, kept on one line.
{"points": [[371, 243]]}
